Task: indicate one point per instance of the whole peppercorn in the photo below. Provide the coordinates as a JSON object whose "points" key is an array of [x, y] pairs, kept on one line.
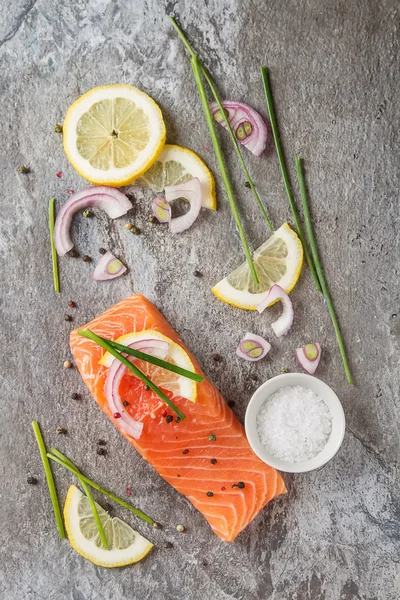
{"points": [[125, 403], [73, 253], [75, 396], [156, 525], [146, 387], [86, 258], [67, 318], [168, 545], [247, 184], [210, 494], [135, 230], [102, 250], [180, 528], [61, 430], [164, 413], [108, 507], [213, 461], [169, 418], [231, 403], [177, 419], [241, 485], [153, 219], [217, 357], [212, 437], [284, 370], [58, 128], [71, 304], [186, 451], [102, 443], [198, 273], [87, 213], [101, 451], [204, 563], [67, 364], [117, 415], [23, 170], [32, 480]]}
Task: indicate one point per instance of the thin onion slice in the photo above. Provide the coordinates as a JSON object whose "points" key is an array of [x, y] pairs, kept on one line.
{"points": [[191, 191], [308, 357], [161, 210], [114, 375], [282, 325], [253, 347], [112, 201], [247, 124], [108, 267]]}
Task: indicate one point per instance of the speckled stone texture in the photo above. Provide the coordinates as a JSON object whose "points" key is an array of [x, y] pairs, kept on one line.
{"points": [[335, 75]]}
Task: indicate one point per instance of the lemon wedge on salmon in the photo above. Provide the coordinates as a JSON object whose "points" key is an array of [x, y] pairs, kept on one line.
{"points": [[166, 380], [113, 134], [126, 546], [177, 165], [279, 260]]}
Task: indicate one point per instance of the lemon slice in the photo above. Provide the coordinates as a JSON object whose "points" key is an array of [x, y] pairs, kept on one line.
{"points": [[166, 380], [113, 134], [177, 165], [279, 260], [126, 546]]}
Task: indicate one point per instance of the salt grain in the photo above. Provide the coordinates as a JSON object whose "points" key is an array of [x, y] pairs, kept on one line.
{"points": [[294, 424]]}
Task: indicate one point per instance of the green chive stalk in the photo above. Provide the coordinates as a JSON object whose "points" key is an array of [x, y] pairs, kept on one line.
{"points": [[107, 346], [49, 479], [198, 68], [285, 176], [228, 125], [97, 487], [321, 275], [221, 163], [89, 495], [155, 361], [54, 259]]}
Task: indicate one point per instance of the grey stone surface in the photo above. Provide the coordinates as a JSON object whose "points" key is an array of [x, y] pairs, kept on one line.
{"points": [[335, 73]]}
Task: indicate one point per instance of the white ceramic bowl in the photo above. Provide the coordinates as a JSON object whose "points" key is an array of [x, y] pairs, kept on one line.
{"points": [[329, 397]]}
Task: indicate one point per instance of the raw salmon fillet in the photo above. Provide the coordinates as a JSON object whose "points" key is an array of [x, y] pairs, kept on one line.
{"points": [[191, 473]]}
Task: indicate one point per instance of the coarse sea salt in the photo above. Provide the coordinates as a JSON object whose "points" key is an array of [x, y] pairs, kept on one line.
{"points": [[294, 424]]}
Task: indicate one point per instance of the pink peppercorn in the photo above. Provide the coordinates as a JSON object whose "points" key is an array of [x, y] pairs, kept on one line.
{"points": [[128, 491], [164, 413], [117, 415], [223, 488], [59, 174], [70, 192]]}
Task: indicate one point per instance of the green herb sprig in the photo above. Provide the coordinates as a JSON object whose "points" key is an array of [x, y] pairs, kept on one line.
{"points": [[73, 469], [49, 479], [285, 176], [89, 495], [87, 333], [321, 274], [56, 278]]}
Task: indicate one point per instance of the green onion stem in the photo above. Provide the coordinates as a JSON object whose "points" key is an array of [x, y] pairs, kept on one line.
{"points": [[285, 176], [104, 344], [321, 275], [221, 163], [50, 479], [97, 487], [155, 361], [89, 495], [56, 279], [198, 67]]}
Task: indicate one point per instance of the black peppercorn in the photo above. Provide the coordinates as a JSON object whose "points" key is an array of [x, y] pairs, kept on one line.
{"points": [[247, 184], [146, 387], [75, 396], [168, 545], [213, 461], [86, 258], [73, 253], [169, 418], [101, 451], [102, 443], [108, 507], [125, 403], [102, 250], [210, 494], [178, 419], [32, 480], [241, 485], [153, 219], [231, 403], [67, 318], [198, 273], [212, 437], [217, 357]]}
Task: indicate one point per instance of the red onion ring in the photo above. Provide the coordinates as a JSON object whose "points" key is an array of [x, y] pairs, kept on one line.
{"points": [[282, 325], [191, 191], [253, 347], [305, 357], [108, 267], [247, 124], [112, 201]]}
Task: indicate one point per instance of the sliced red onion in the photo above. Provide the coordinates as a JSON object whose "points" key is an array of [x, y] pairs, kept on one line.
{"points": [[308, 357], [161, 210], [108, 267], [191, 191], [109, 199], [284, 323], [253, 347], [116, 371], [248, 125]]}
